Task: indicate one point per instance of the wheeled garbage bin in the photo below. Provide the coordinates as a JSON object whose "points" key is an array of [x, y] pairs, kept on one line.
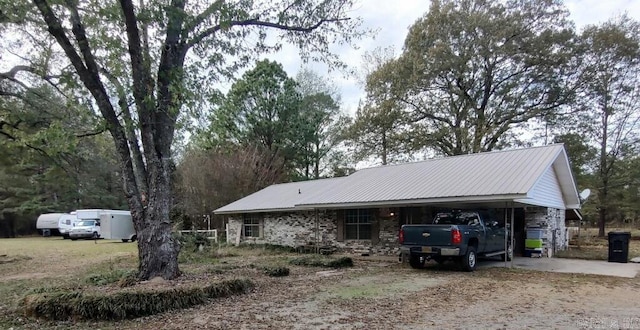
{"points": [[619, 246]]}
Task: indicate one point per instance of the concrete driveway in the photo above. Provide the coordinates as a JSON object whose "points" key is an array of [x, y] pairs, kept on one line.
{"points": [[562, 265]]}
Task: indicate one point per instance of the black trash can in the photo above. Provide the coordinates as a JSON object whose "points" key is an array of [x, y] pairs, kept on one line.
{"points": [[619, 246]]}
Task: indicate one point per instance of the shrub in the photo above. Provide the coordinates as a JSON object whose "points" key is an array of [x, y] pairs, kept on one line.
{"points": [[67, 305], [318, 261], [111, 276], [276, 271]]}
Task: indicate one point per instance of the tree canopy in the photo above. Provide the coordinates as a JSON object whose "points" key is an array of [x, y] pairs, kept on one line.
{"points": [[141, 64]]}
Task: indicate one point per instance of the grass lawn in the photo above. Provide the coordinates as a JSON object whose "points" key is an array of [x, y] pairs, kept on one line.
{"points": [[590, 246]]}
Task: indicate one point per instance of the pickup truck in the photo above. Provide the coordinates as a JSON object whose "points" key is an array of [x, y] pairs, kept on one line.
{"points": [[461, 236]]}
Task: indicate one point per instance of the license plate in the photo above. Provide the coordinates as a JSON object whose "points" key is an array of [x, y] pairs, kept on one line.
{"points": [[427, 249]]}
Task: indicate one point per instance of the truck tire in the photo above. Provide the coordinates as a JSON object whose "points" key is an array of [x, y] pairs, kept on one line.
{"points": [[508, 255], [124, 240], [415, 262], [469, 260]]}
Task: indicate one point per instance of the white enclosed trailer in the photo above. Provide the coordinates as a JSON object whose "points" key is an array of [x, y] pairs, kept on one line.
{"points": [[117, 225], [108, 224]]}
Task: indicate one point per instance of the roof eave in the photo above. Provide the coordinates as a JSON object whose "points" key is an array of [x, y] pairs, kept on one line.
{"points": [[407, 202]]}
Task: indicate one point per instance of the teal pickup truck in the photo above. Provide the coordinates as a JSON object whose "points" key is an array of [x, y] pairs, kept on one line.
{"points": [[461, 236]]}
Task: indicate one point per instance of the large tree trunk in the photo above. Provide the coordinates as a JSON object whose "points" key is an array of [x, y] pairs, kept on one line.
{"points": [[157, 247]]}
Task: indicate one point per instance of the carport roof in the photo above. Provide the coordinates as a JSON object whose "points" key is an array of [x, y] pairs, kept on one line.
{"points": [[514, 176]]}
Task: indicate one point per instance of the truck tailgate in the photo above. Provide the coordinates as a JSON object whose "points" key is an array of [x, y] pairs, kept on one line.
{"points": [[429, 235]]}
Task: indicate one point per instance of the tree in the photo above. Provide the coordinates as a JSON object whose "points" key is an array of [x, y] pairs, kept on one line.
{"points": [[472, 71], [231, 174], [262, 109], [142, 64], [381, 126], [610, 102], [322, 123]]}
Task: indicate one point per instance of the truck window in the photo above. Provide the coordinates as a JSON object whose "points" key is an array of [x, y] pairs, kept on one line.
{"points": [[457, 218]]}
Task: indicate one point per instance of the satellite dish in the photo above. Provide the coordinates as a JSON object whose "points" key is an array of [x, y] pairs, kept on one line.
{"points": [[585, 194]]}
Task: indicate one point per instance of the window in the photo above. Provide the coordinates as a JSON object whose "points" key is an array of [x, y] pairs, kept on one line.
{"points": [[358, 224], [252, 225]]}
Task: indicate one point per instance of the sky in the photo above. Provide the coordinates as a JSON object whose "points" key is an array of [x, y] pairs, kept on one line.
{"points": [[392, 19]]}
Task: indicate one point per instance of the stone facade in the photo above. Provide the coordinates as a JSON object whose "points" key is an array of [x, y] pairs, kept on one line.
{"points": [[297, 229], [553, 222]]}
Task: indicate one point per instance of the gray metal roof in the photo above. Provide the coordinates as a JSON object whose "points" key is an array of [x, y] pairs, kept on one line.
{"points": [[279, 197], [507, 175]]}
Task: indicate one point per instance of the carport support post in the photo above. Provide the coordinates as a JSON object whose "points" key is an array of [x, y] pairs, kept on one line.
{"points": [[317, 232], [511, 238], [505, 236]]}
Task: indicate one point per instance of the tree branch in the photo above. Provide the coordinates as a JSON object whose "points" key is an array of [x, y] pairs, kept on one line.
{"points": [[257, 22]]}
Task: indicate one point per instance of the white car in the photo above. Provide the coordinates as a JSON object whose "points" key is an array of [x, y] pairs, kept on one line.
{"points": [[85, 229]]}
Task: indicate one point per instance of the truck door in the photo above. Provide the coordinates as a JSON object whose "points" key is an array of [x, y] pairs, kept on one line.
{"points": [[477, 229]]}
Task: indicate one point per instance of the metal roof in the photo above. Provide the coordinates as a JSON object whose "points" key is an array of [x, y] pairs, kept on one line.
{"points": [[279, 197], [508, 175]]}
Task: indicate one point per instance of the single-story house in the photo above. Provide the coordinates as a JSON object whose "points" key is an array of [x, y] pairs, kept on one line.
{"points": [[364, 211]]}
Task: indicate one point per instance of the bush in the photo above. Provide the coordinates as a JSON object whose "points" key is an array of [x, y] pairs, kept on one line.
{"points": [[318, 261], [276, 271], [112, 276], [268, 247], [68, 305], [342, 262]]}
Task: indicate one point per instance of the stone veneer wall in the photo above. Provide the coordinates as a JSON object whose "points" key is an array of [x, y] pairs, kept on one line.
{"points": [[299, 228], [553, 220]]}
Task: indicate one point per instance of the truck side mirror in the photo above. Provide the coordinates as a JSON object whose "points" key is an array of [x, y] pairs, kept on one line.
{"points": [[98, 223]]}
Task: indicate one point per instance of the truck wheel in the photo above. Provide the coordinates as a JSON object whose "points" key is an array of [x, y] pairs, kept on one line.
{"points": [[124, 240], [415, 262], [134, 238], [469, 260], [74, 239], [509, 255]]}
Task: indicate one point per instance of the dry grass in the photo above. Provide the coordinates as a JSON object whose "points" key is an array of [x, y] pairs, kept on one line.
{"points": [[589, 246]]}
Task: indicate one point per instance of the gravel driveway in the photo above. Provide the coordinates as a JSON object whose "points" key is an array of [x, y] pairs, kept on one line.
{"points": [[378, 295]]}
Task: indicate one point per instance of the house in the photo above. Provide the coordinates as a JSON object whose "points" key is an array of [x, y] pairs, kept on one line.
{"points": [[364, 211]]}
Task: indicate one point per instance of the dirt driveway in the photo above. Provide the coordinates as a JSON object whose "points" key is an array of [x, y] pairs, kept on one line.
{"points": [[376, 295]]}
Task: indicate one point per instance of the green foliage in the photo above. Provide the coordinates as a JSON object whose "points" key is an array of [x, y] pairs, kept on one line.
{"points": [[604, 129], [473, 71], [145, 67], [322, 261], [73, 305], [111, 276]]}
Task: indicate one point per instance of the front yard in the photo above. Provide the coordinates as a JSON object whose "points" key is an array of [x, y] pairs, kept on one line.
{"points": [[372, 294]]}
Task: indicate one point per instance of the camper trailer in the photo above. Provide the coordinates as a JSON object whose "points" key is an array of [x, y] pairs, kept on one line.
{"points": [[109, 224], [47, 223], [66, 223]]}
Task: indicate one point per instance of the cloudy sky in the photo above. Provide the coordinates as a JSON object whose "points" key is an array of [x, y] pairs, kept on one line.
{"points": [[392, 19]]}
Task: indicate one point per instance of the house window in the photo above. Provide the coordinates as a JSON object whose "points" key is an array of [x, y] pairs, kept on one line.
{"points": [[252, 225], [358, 224]]}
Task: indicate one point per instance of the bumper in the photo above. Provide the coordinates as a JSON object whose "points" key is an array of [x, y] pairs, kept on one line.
{"points": [[430, 252], [80, 235]]}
